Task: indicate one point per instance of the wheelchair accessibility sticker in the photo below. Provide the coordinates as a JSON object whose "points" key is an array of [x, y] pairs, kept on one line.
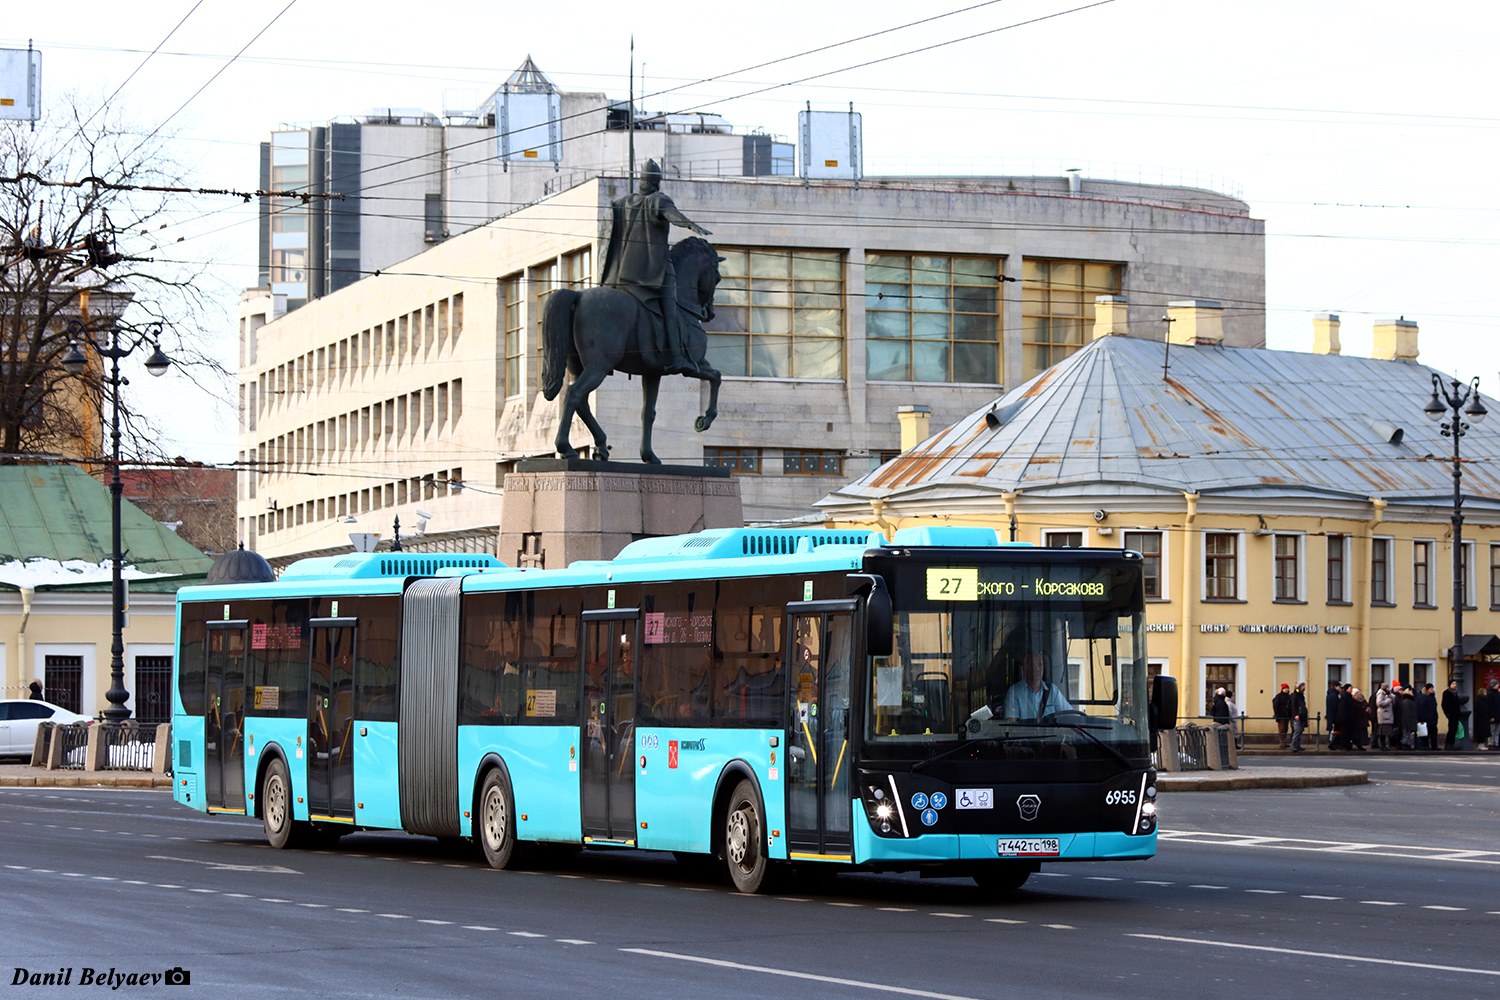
{"points": [[974, 798]]}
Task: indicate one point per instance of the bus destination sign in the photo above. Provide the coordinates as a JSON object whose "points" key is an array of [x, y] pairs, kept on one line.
{"points": [[1021, 583]]}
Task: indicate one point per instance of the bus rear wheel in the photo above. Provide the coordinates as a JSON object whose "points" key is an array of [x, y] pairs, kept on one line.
{"points": [[497, 822], [745, 840], [276, 807]]}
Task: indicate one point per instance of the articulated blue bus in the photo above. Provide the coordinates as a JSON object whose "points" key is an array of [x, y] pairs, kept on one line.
{"points": [[770, 698]]}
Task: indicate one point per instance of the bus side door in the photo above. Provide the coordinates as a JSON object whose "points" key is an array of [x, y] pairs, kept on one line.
{"points": [[607, 772], [330, 720], [224, 716], [819, 662]]}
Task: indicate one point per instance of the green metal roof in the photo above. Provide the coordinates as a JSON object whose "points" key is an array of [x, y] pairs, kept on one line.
{"points": [[61, 512]]}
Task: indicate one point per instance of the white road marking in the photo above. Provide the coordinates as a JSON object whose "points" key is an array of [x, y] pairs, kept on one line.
{"points": [[1448, 909], [1155, 883], [104, 878], [958, 916], [1002, 920], [135, 881], [1323, 897], [1333, 956], [1103, 878], [225, 867], [525, 934], [1061, 927], [832, 903], [792, 899], [695, 888], [1379, 902], [72, 874], [897, 909], [1405, 852], [1208, 887], [203, 890], [394, 916], [572, 941], [443, 923], [791, 974], [479, 927], [160, 885], [350, 909], [263, 899], [1269, 892], [314, 906]]}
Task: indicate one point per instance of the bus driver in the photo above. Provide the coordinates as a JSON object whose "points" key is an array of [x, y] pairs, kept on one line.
{"points": [[1034, 697]]}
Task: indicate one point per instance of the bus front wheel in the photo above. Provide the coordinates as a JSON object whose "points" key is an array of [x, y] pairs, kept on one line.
{"points": [[745, 840], [1003, 877], [276, 806], [497, 823]]}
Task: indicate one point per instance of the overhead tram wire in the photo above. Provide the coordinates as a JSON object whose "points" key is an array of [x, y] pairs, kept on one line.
{"points": [[219, 73], [97, 111], [760, 90]]}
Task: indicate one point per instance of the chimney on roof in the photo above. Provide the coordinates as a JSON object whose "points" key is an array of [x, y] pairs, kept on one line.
{"points": [[1196, 322], [915, 420], [1109, 316], [1326, 333], [1395, 340]]}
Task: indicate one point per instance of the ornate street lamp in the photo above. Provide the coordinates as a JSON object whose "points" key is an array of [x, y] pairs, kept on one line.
{"points": [[1447, 405], [74, 361]]}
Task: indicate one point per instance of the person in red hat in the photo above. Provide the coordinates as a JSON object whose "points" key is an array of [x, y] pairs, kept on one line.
{"points": [[1281, 708]]}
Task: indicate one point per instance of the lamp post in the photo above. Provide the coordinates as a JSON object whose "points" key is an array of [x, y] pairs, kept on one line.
{"points": [[74, 361], [1447, 406]]}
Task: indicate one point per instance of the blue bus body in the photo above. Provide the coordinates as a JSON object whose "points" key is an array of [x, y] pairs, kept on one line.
{"points": [[765, 697]]}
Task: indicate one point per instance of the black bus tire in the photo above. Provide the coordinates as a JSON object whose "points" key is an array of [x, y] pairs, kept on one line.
{"points": [[1002, 877], [745, 840], [497, 820], [276, 806]]}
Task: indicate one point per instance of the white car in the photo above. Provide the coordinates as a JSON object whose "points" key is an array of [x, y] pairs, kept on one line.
{"points": [[19, 718]]}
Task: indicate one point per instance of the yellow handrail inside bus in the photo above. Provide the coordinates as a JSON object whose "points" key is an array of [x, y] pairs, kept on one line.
{"points": [[811, 747], [839, 765]]}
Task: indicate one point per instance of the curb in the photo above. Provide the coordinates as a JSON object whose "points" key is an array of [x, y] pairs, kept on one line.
{"points": [[86, 780], [1325, 778]]}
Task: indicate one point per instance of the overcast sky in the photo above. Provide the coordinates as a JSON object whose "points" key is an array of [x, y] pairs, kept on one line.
{"points": [[1363, 135]]}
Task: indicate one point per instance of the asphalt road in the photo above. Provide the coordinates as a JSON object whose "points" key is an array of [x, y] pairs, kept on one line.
{"points": [[1384, 890]]}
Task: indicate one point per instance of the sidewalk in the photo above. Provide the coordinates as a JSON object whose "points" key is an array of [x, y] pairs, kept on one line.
{"points": [[1259, 777], [24, 775]]}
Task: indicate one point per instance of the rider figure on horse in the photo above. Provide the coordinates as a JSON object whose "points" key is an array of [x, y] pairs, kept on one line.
{"points": [[636, 262]]}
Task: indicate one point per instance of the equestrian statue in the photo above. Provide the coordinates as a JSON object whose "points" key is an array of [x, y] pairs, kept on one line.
{"points": [[645, 318]]}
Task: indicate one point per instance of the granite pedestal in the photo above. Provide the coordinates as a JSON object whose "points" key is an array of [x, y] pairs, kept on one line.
{"points": [[558, 511]]}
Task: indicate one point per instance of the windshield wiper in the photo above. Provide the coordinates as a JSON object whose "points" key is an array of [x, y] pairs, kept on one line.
{"points": [[1085, 731], [966, 744]]}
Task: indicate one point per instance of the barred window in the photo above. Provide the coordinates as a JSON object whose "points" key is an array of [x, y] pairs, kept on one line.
{"points": [[1057, 308], [932, 319], [778, 314]]}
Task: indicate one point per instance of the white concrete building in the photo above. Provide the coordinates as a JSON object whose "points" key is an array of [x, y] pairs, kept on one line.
{"points": [[842, 303]]}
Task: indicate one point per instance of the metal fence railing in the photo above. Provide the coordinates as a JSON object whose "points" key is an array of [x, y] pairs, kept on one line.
{"points": [[130, 746], [1312, 736], [75, 745]]}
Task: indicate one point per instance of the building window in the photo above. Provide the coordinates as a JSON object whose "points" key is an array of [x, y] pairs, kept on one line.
{"points": [[1064, 539], [1221, 566], [879, 458], [745, 461], [1380, 571], [806, 462], [1466, 575], [153, 689], [512, 290], [1421, 574], [1215, 676], [1338, 586], [578, 268], [1148, 544], [1287, 572], [778, 314], [62, 682], [932, 319], [1057, 311], [1495, 577]]}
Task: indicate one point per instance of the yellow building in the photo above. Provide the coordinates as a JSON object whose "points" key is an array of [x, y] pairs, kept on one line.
{"points": [[1294, 510]]}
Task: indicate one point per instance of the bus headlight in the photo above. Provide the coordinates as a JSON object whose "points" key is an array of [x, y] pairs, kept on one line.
{"points": [[1149, 809], [883, 811]]}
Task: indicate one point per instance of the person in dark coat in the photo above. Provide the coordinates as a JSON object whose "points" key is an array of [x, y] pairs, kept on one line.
{"points": [[1299, 716], [1427, 711], [1281, 711], [1219, 710], [1354, 719], [1494, 695], [1406, 718], [36, 691], [1331, 716], [1482, 719], [1453, 711]]}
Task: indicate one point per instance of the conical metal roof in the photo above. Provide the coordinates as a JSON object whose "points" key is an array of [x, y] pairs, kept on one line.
{"points": [[529, 79], [1226, 420]]}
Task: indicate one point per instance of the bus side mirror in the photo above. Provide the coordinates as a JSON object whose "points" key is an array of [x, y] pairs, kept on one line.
{"points": [[880, 638], [1163, 702]]}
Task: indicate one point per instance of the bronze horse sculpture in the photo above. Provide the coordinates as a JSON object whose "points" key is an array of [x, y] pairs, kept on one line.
{"points": [[598, 331]]}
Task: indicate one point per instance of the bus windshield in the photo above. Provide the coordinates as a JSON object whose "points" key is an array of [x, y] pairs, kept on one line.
{"points": [[1039, 659]]}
